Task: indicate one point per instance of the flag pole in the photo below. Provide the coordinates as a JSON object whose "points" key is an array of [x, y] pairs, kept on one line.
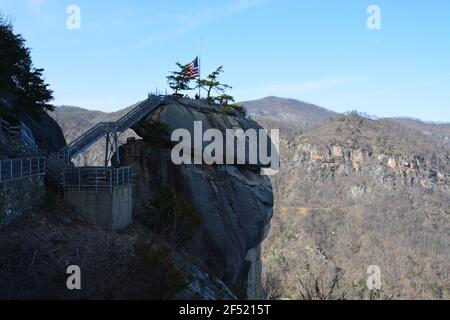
{"points": [[199, 77], [200, 69]]}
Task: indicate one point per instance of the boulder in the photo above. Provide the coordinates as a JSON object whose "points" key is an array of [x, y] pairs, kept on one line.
{"points": [[184, 114], [234, 201], [47, 133]]}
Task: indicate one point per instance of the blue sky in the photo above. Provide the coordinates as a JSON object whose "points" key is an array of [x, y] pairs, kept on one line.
{"points": [[319, 51]]}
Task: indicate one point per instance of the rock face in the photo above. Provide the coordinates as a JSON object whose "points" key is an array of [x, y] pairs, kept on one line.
{"points": [[335, 162], [46, 131], [355, 192], [234, 202]]}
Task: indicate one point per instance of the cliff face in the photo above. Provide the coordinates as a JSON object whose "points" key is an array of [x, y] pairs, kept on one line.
{"points": [[374, 171], [46, 131], [364, 157], [356, 192], [234, 202]]}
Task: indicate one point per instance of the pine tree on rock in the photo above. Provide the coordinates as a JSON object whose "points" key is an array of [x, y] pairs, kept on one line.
{"points": [[179, 80], [211, 84]]}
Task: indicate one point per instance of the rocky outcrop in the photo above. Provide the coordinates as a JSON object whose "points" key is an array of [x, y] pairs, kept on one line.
{"points": [[204, 287], [47, 133], [234, 202], [356, 192], [328, 163]]}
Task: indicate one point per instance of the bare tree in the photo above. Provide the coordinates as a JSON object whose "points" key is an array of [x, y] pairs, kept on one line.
{"points": [[315, 288], [271, 284]]}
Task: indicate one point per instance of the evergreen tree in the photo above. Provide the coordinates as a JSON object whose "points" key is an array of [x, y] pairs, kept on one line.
{"points": [[211, 84], [224, 99], [22, 88], [179, 80]]}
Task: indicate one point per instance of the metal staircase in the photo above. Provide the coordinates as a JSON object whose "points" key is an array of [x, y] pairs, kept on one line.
{"points": [[56, 168], [103, 129], [59, 164], [27, 139]]}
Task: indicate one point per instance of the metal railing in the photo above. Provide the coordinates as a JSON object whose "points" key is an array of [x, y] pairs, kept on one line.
{"points": [[4, 125], [9, 130], [55, 168], [97, 178], [16, 169], [101, 129], [20, 135], [139, 112], [27, 139], [87, 139]]}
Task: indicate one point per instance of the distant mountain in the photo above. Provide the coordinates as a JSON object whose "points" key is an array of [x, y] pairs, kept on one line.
{"points": [[287, 114], [438, 131], [292, 116]]}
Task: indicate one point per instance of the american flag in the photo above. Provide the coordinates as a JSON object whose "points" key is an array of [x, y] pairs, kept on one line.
{"points": [[193, 70]]}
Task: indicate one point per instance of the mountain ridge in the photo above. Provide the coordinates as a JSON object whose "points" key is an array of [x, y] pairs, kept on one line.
{"points": [[260, 107]]}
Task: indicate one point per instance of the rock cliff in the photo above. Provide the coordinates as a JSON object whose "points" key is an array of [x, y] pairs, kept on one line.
{"points": [[355, 192], [46, 131], [234, 202]]}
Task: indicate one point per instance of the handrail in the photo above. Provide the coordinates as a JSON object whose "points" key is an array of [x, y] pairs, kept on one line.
{"points": [[97, 178], [27, 139], [16, 169], [87, 133], [88, 138]]}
